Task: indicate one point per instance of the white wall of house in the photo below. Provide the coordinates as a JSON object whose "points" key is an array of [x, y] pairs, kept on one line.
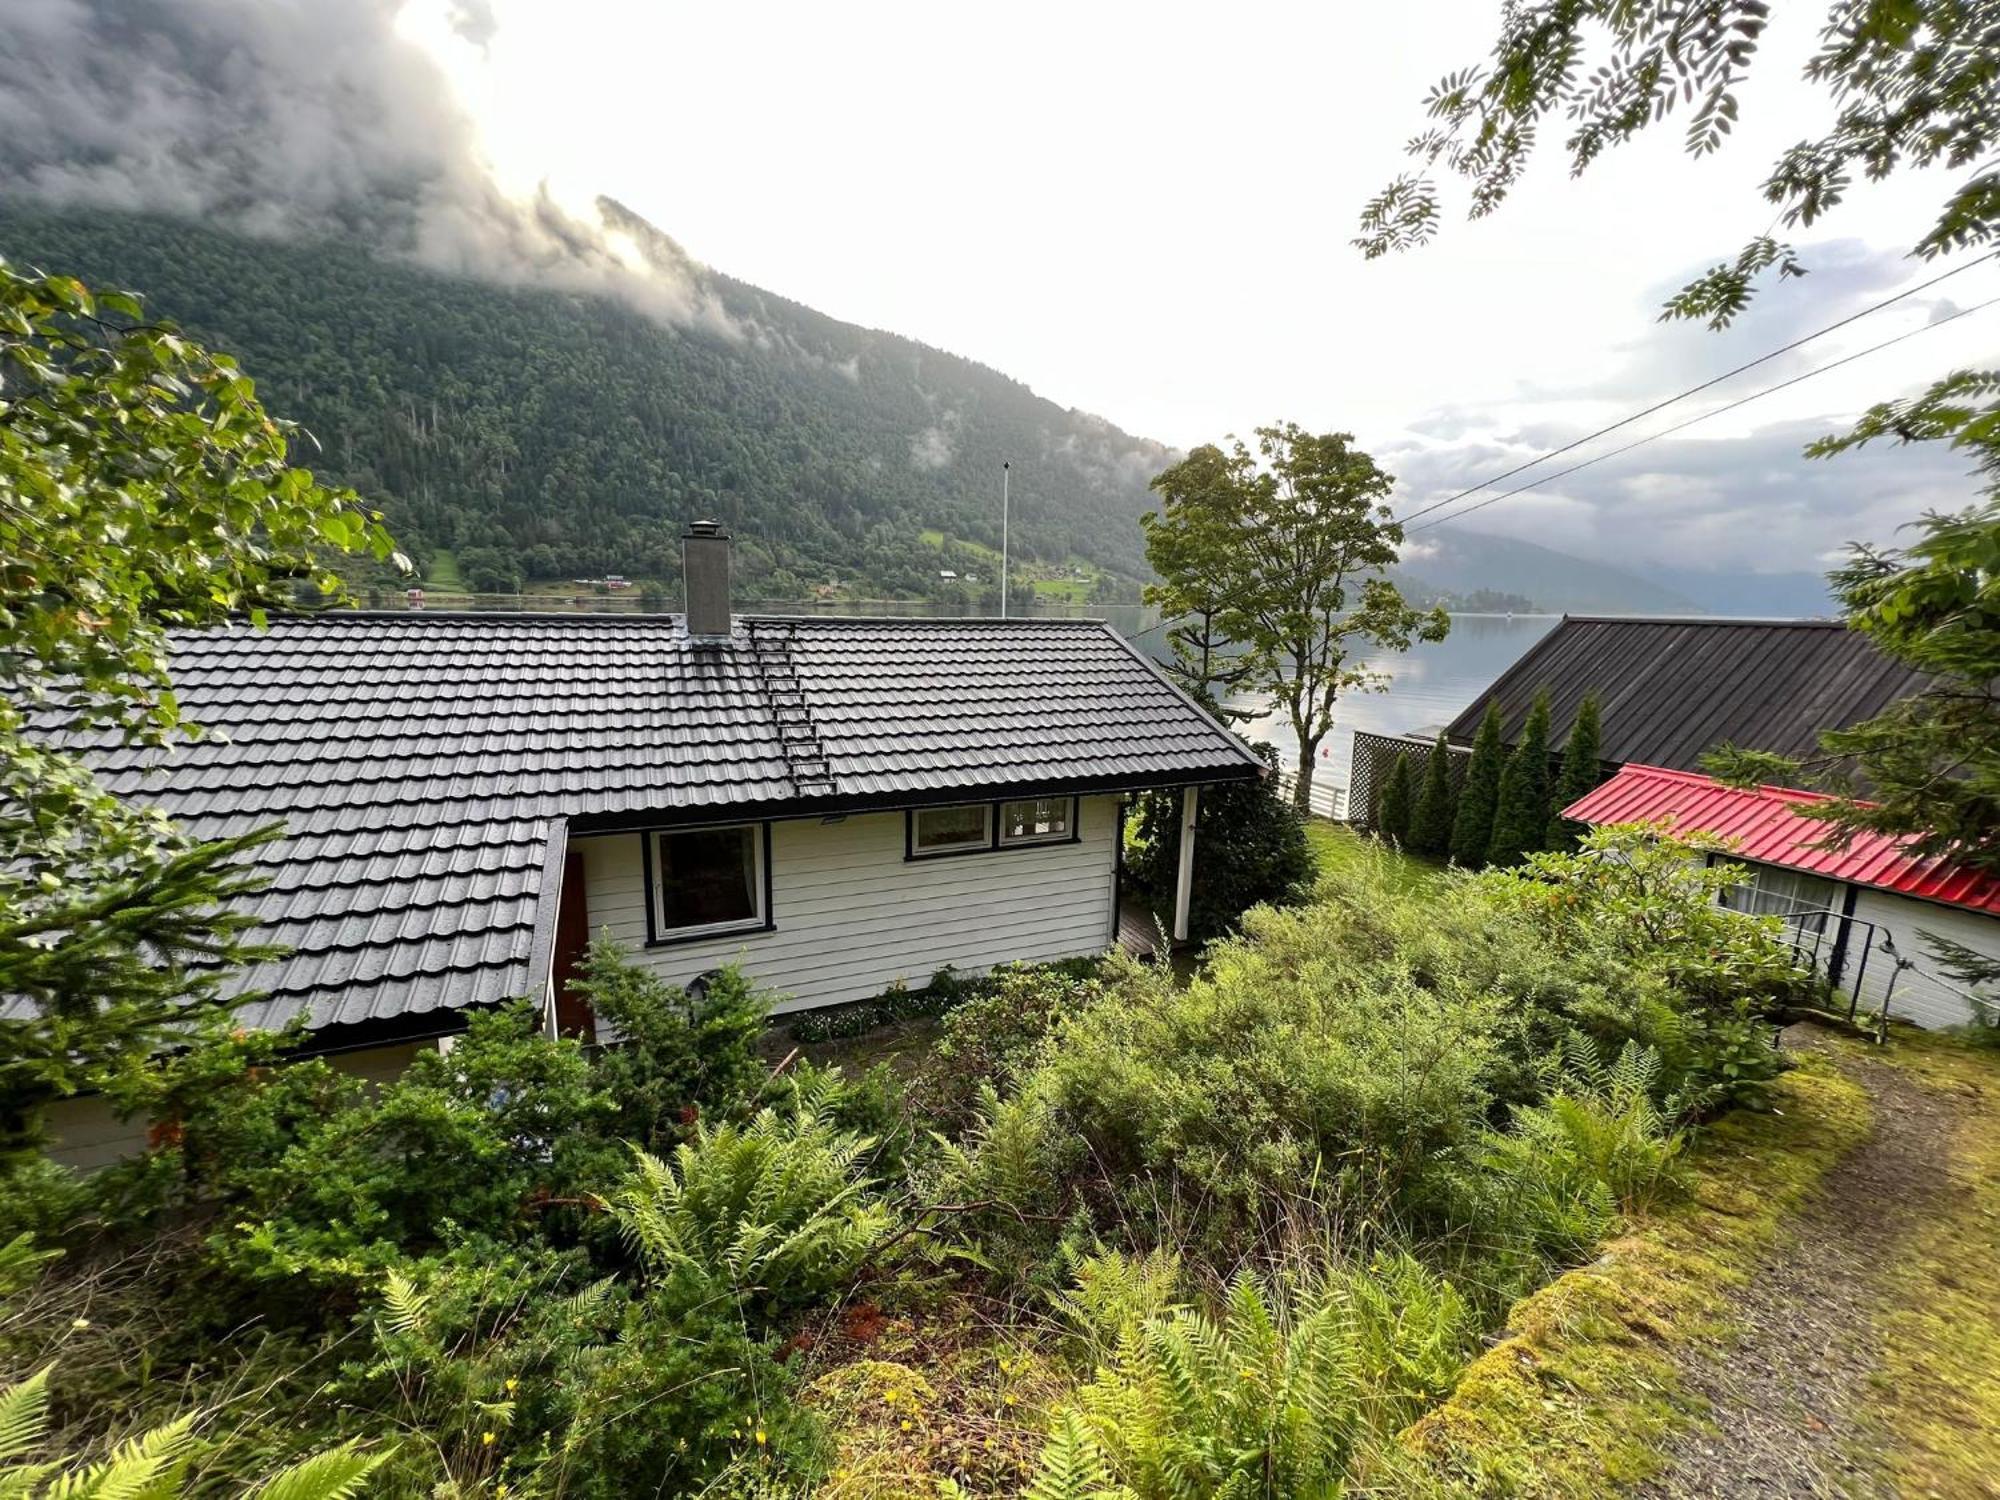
{"points": [[1924, 993], [851, 915]]}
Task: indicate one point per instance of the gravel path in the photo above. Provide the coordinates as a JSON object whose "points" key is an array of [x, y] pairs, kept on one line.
{"points": [[1784, 1399]]}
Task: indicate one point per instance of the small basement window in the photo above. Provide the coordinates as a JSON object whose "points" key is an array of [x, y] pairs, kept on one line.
{"points": [[708, 880], [1038, 820], [951, 830], [1801, 899]]}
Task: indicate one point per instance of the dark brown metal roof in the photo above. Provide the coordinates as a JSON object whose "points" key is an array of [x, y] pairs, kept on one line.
{"points": [[427, 765], [1673, 690]]}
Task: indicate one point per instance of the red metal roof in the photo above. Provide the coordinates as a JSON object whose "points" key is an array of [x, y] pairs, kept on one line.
{"points": [[1767, 826]]}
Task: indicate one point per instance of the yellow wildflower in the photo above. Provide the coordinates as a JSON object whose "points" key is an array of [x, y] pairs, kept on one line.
{"points": [[513, 1385], [760, 1437], [488, 1439], [906, 1424]]}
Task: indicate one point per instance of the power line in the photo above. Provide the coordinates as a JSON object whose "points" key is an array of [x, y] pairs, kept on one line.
{"points": [[1697, 390], [1700, 417]]}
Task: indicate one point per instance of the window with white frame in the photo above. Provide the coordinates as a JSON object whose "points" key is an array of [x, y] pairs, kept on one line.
{"points": [[708, 880], [1802, 900], [951, 830], [1037, 820]]}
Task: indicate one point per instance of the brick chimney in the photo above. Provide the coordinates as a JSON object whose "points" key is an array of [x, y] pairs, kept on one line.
{"points": [[705, 578]]}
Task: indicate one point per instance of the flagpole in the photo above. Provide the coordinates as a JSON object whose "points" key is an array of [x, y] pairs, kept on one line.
{"points": [[1005, 475]]}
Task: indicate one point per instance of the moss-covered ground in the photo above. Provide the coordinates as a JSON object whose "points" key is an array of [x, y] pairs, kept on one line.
{"points": [[1581, 1396], [1935, 1406]]}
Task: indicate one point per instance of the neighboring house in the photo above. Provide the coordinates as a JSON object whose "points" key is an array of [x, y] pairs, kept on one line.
{"points": [[1672, 690], [1858, 915], [837, 804]]}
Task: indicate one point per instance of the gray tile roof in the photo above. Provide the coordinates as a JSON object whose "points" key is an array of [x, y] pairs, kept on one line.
{"points": [[1673, 690], [427, 765]]}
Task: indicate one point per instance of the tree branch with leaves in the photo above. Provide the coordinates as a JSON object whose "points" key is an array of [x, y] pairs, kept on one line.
{"points": [[1281, 554]]}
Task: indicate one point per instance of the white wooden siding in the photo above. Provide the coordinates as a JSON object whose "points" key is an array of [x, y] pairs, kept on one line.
{"points": [[1924, 993], [851, 915]]}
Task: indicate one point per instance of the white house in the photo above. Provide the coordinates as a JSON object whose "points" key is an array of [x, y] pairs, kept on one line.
{"points": [[837, 804], [1859, 915]]}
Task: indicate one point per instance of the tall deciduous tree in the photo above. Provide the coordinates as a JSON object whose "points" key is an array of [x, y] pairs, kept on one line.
{"points": [[1392, 810], [1916, 84], [1192, 593], [142, 487], [1430, 825], [1582, 755], [1472, 828], [1286, 548]]}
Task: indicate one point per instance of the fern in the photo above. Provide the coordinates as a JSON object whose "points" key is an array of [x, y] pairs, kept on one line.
{"points": [[337, 1474], [776, 1209], [1260, 1401], [1073, 1466], [409, 1309]]}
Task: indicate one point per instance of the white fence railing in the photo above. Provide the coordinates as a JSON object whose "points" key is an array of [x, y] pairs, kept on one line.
{"points": [[1328, 800]]}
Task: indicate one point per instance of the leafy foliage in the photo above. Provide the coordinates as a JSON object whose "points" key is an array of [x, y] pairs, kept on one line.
{"points": [[774, 1212], [1250, 850], [1914, 85], [146, 488], [1282, 553]]}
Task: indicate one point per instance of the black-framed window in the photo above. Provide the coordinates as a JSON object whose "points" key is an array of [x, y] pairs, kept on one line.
{"points": [[951, 830], [708, 881], [985, 827], [1038, 820]]}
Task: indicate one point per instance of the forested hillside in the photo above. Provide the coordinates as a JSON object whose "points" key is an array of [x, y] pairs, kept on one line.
{"points": [[575, 435]]}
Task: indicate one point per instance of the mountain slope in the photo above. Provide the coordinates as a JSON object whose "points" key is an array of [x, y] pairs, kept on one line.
{"points": [[576, 435], [1459, 561]]}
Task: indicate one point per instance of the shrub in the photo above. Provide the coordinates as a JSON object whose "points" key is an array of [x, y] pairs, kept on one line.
{"points": [[1392, 808], [770, 1215], [1259, 1401], [677, 1054], [1579, 774], [1521, 808], [152, 1465], [1437, 803], [1269, 1396], [1292, 1055], [989, 1040], [1251, 850], [1472, 826]]}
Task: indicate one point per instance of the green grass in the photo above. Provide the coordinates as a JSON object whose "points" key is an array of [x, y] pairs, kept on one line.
{"points": [[443, 573], [1070, 590], [939, 539], [1336, 848], [1937, 1390]]}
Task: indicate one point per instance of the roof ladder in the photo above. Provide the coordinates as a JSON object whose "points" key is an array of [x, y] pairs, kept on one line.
{"points": [[771, 644]]}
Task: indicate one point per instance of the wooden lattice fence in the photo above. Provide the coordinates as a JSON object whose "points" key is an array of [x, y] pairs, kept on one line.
{"points": [[1375, 757]]}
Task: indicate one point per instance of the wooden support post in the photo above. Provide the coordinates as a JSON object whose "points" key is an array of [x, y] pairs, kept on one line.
{"points": [[1184, 881]]}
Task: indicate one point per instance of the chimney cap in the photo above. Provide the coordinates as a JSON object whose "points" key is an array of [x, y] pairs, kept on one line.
{"points": [[705, 528]]}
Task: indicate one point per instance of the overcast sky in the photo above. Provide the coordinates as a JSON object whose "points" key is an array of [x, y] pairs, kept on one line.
{"points": [[1142, 210]]}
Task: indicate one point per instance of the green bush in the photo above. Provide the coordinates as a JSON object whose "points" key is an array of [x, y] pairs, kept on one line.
{"points": [[768, 1215], [1437, 805], [1393, 807], [989, 1040], [1250, 850], [678, 1056]]}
